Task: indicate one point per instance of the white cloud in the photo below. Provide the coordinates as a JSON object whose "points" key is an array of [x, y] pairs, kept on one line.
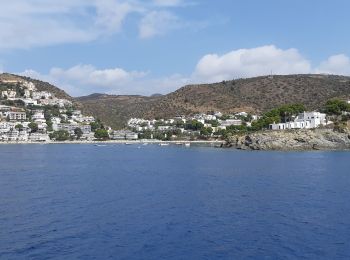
{"points": [[86, 79], [157, 23], [336, 64], [250, 62], [90, 76], [111, 14], [32, 23], [168, 2]]}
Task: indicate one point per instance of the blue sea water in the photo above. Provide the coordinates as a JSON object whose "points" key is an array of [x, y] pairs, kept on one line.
{"points": [[151, 202]]}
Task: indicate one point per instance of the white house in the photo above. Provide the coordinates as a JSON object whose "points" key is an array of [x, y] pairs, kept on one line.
{"points": [[29, 101], [55, 120], [8, 94], [314, 118], [39, 137], [245, 114], [86, 129], [38, 114], [29, 85], [41, 95], [305, 120], [124, 135], [14, 116], [209, 117], [164, 127], [230, 122], [26, 93]]}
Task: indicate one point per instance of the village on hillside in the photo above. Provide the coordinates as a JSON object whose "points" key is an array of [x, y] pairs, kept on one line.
{"points": [[30, 115]]}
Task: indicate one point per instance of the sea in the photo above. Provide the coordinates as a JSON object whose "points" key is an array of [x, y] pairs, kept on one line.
{"points": [[83, 201]]}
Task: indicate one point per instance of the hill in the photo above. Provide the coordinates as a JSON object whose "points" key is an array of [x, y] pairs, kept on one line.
{"points": [[251, 95], [40, 85]]}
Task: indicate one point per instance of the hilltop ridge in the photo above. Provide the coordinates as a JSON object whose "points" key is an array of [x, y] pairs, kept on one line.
{"points": [[253, 95]]}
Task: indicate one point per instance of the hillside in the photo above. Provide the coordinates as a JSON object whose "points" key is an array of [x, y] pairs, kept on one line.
{"points": [[250, 95], [40, 85]]}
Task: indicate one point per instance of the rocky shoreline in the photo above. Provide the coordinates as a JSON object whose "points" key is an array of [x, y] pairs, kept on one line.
{"points": [[291, 140]]}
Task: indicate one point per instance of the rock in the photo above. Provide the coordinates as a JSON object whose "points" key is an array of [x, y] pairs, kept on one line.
{"points": [[312, 139]]}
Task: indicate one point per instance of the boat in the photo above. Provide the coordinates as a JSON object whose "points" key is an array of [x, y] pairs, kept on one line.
{"points": [[187, 144], [163, 144]]}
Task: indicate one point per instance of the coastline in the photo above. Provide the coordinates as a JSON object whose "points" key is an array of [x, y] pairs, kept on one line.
{"points": [[141, 142], [284, 141]]}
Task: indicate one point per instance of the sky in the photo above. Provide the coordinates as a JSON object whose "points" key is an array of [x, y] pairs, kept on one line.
{"points": [[156, 46]]}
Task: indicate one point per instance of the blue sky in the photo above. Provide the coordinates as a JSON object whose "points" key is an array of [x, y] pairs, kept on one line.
{"points": [[157, 46]]}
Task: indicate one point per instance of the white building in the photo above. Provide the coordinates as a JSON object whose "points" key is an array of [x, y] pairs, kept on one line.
{"points": [[314, 118], [38, 114], [86, 129], [218, 114], [209, 117], [6, 127], [29, 85], [30, 102], [55, 120], [305, 120], [124, 135], [41, 95], [8, 94], [17, 116], [231, 122], [26, 93], [39, 137], [245, 114], [164, 127]]}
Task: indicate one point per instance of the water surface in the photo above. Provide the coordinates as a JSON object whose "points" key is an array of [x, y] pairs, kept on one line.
{"points": [[151, 202]]}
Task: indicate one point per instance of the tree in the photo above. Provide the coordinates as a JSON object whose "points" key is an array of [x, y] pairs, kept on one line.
{"points": [[194, 125], [101, 134], [49, 125], [96, 125], [336, 107], [33, 127], [69, 113], [78, 132], [61, 135], [214, 123], [19, 127], [206, 131], [277, 115]]}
